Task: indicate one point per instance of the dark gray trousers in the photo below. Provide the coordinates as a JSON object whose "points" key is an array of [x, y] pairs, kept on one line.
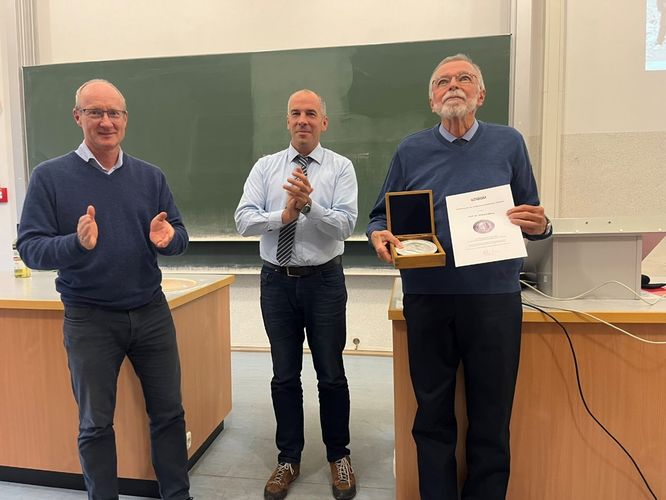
{"points": [[97, 341]]}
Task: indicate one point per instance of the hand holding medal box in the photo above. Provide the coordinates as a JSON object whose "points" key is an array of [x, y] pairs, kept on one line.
{"points": [[410, 217]]}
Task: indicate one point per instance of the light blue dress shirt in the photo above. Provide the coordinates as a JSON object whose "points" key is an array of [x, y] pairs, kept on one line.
{"points": [[467, 136], [320, 234], [85, 154]]}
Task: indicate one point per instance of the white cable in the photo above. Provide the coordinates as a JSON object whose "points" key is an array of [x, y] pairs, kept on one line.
{"points": [[656, 342], [581, 295]]}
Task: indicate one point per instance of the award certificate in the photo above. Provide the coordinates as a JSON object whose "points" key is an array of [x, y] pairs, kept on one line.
{"points": [[480, 229]]}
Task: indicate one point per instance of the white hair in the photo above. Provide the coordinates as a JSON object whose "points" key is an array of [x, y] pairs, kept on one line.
{"points": [[457, 57]]}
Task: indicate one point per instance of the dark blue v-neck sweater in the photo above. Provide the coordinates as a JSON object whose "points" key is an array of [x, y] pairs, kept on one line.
{"points": [[496, 155], [121, 272]]}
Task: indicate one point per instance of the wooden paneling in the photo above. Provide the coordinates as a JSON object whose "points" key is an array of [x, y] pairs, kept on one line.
{"points": [[406, 473], [39, 422], [558, 451], [206, 390]]}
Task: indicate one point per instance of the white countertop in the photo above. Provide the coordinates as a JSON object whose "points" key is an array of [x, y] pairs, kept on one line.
{"points": [[652, 310], [38, 291]]}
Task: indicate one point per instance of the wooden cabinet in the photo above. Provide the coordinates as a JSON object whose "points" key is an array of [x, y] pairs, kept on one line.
{"points": [[557, 450], [39, 417]]}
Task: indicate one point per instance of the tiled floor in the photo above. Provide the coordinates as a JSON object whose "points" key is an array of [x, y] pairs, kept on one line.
{"points": [[238, 463]]}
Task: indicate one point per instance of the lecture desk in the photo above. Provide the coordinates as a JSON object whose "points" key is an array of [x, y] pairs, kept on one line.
{"points": [[39, 417], [557, 451]]}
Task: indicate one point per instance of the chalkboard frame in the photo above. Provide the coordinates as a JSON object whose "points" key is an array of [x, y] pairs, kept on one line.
{"points": [[204, 120]]}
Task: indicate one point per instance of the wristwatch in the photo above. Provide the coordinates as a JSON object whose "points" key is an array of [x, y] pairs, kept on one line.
{"points": [[549, 228], [306, 209]]}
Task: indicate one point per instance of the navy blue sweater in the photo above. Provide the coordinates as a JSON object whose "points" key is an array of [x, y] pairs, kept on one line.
{"points": [[496, 155], [121, 272]]}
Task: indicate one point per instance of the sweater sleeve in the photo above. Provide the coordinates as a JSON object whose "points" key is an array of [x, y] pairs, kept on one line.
{"points": [[180, 240], [523, 184], [40, 243], [394, 182]]}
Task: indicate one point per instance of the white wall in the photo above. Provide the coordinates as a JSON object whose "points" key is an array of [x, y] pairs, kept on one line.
{"points": [[607, 89], [614, 132], [80, 30], [608, 155], [367, 312], [10, 137]]}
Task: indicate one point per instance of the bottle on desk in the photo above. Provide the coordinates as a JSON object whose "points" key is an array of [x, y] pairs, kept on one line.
{"points": [[20, 269]]}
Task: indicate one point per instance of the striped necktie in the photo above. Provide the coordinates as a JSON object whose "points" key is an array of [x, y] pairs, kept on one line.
{"points": [[288, 231]]}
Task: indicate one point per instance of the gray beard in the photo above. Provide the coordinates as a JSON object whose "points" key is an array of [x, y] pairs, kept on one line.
{"points": [[456, 110]]}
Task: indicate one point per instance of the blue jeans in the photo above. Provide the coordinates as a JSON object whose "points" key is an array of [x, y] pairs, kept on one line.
{"points": [[317, 304], [97, 341], [482, 332]]}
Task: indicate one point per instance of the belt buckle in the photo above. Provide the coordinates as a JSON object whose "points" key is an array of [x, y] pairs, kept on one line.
{"points": [[288, 269]]}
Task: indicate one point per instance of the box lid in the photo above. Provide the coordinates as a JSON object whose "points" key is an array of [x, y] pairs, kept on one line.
{"points": [[410, 212]]}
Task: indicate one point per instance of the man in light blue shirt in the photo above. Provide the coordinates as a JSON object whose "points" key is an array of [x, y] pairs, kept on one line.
{"points": [[302, 201]]}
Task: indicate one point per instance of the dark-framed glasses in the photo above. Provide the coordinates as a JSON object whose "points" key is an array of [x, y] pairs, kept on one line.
{"points": [[446, 80], [98, 114]]}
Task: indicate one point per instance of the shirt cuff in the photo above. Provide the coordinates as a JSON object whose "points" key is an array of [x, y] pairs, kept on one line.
{"points": [[275, 220], [316, 211]]}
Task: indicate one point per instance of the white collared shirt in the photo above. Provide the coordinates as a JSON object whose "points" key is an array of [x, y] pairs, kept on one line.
{"points": [[85, 154], [321, 233]]}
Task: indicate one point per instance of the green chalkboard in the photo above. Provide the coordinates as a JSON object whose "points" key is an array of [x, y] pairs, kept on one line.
{"points": [[204, 120]]}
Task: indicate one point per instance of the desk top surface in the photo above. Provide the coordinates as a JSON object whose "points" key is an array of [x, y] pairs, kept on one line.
{"points": [[611, 310], [38, 291]]}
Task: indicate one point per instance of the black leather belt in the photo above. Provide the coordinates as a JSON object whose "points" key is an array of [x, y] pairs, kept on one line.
{"points": [[300, 271]]}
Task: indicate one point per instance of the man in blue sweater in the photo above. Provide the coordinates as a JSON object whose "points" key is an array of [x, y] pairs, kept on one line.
{"points": [[100, 217], [469, 314]]}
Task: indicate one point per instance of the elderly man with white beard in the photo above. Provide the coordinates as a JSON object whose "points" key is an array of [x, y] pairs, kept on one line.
{"points": [[470, 314]]}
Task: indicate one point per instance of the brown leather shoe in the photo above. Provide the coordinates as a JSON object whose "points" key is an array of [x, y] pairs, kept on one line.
{"points": [[343, 479], [277, 486]]}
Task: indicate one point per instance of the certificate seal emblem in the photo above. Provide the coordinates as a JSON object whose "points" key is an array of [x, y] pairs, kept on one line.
{"points": [[416, 247], [483, 226]]}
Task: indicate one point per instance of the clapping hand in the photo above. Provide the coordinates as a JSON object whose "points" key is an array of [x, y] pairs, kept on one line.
{"points": [[86, 230], [161, 232]]}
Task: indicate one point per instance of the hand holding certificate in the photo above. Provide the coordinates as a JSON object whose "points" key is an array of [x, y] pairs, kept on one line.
{"points": [[480, 229]]}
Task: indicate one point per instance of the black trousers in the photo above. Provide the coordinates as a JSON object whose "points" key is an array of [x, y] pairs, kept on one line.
{"points": [[482, 332], [315, 306], [97, 341]]}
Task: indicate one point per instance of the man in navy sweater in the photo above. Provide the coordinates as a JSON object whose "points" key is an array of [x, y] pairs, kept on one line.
{"points": [[469, 314], [100, 217]]}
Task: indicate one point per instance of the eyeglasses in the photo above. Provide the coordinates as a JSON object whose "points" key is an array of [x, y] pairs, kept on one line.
{"points": [[98, 114], [463, 79]]}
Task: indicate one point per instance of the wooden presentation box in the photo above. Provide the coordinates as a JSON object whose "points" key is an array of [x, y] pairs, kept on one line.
{"points": [[410, 215]]}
